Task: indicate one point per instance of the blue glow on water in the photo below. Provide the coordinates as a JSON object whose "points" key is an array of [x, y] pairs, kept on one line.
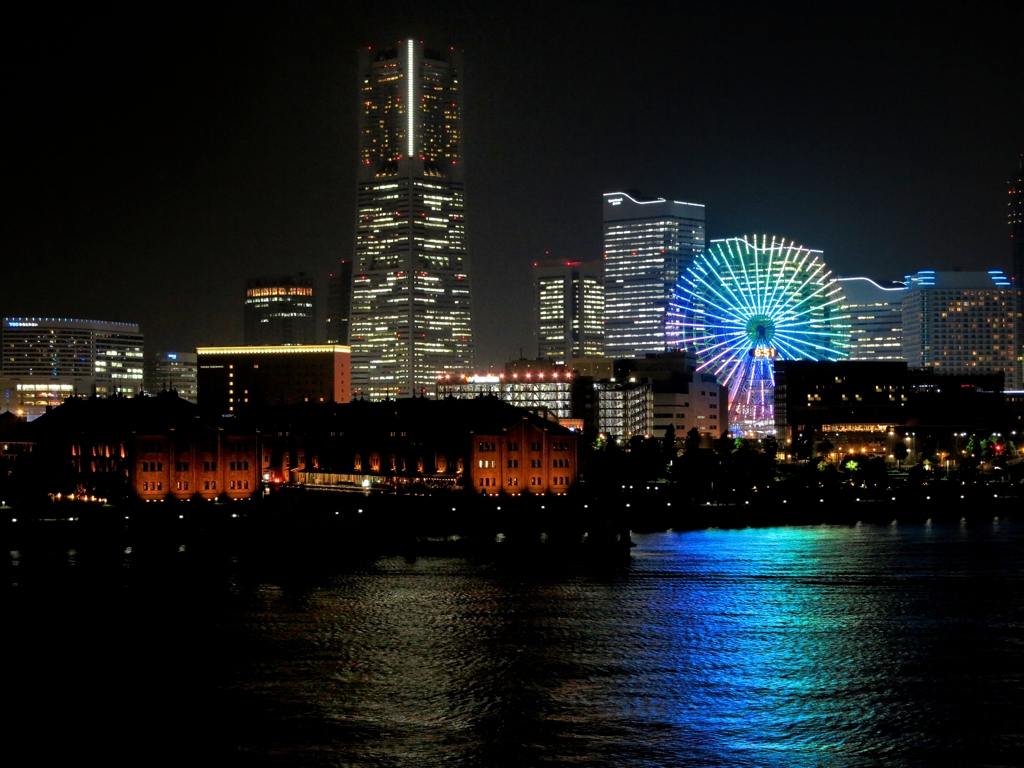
{"points": [[856, 646]]}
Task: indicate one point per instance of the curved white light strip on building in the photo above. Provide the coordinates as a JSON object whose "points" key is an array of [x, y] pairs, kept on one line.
{"points": [[649, 202], [879, 287]]}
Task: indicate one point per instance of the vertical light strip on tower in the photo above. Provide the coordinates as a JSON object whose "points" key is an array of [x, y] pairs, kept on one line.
{"points": [[410, 95]]}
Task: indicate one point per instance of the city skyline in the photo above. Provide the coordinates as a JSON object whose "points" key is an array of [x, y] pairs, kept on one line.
{"points": [[239, 161]]}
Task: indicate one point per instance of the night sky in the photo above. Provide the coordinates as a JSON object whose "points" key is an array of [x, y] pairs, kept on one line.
{"points": [[155, 159]]}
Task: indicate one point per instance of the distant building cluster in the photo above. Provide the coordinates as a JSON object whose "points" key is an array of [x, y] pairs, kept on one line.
{"points": [[665, 332]]}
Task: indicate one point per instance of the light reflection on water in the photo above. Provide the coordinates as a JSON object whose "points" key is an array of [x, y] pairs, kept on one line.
{"points": [[818, 646], [786, 646]]}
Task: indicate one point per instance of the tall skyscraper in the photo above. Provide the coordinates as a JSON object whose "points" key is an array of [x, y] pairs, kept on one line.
{"points": [[339, 302], [280, 310], [648, 244], [1015, 218], [961, 322], [569, 305], [876, 318], [411, 305]]}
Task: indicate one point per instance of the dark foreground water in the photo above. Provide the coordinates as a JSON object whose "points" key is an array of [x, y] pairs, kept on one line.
{"points": [[828, 646]]}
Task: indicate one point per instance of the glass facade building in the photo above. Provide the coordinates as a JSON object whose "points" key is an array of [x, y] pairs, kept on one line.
{"points": [[411, 300], [875, 316], [280, 310], [648, 244], [569, 306], [962, 322]]}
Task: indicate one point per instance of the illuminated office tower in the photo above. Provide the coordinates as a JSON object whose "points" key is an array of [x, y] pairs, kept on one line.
{"points": [[339, 301], [961, 322], [648, 244], [569, 305], [875, 316], [411, 306], [48, 359], [280, 310]]}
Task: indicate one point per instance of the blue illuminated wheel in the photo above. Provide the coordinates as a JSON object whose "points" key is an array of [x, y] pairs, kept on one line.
{"points": [[743, 304]]}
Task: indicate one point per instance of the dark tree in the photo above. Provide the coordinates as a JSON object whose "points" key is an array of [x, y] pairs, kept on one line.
{"points": [[900, 451], [692, 442], [725, 444], [802, 446]]}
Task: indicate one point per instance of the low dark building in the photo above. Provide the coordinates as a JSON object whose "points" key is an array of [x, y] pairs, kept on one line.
{"points": [[870, 402]]}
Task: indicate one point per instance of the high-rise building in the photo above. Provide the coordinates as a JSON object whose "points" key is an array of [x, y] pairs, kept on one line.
{"points": [[648, 244], [280, 310], [411, 304], [569, 305], [961, 322], [172, 371], [1015, 218], [339, 300], [876, 318], [47, 360]]}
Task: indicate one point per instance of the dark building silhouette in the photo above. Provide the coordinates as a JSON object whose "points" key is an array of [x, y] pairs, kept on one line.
{"points": [[339, 301], [1015, 218], [867, 402]]}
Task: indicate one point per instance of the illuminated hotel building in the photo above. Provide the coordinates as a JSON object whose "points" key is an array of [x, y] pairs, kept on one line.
{"points": [[280, 310], [648, 244], [875, 316], [239, 379], [569, 302], [411, 305], [47, 360], [961, 322], [172, 371]]}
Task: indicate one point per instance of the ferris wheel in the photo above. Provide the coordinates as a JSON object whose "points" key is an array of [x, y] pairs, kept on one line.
{"points": [[745, 303]]}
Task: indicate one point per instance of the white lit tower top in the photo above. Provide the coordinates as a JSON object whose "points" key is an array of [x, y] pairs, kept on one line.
{"points": [[411, 311]]}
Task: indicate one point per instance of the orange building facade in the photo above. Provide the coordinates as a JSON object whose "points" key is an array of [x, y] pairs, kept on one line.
{"points": [[532, 456], [206, 464]]}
